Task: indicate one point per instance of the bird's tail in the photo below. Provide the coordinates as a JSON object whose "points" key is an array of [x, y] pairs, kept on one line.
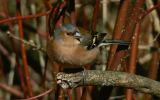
{"points": [[107, 42]]}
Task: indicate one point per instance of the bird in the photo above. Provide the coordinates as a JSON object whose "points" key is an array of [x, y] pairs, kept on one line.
{"points": [[73, 47]]}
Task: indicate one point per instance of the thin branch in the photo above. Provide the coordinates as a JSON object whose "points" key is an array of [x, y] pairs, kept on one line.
{"points": [[23, 17], [109, 78], [150, 10], [38, 96], [11, 90], [33, 45], [95, 15], [23, 52], [47, 4]]}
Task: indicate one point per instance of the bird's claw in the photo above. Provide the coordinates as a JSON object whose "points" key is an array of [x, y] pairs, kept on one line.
{"points": [[69, 80]]}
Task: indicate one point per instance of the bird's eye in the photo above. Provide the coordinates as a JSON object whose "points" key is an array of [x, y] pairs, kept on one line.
{"points": [[69, 33]]}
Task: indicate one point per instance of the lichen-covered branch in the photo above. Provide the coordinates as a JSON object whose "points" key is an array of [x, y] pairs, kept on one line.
{"points": [[109, 78]]}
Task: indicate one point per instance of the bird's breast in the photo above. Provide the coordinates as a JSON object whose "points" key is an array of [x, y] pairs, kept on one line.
{"points": [[70, 55]]}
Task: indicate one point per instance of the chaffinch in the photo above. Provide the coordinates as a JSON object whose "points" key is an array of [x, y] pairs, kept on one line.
{"points": [[72, 47]]}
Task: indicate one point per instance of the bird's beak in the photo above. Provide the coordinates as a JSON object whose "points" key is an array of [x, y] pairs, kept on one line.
{"points": [[77, 36]]}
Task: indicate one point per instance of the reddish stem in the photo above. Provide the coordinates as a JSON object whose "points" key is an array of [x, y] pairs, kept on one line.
{"points": [[73, 14], [40, 95], [23, 17], [87, 93], [127, 33], [133, 57], [133, 20], [24, 58], [70, 94], [78, 93], [20, 72], [134, 49], [119, 26], [2, 68], [61, 94], [11, 90], [150, 10], [23, 52], [95, 15], [47, 4], [153, 68], [118, 29]]}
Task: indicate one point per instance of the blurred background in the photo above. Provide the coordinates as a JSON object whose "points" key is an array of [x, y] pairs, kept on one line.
{"points": [[23, 71]]}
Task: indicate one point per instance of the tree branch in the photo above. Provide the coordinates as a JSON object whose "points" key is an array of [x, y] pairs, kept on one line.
{"points": [[109, 78]]}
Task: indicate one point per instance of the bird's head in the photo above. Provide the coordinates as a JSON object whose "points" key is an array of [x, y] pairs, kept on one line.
{"points": [[67, 32]]}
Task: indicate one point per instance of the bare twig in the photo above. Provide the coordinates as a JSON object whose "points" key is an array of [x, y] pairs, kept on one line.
{"points": [[26, 42], [11, 90], [38, 96], [24, 17]]}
